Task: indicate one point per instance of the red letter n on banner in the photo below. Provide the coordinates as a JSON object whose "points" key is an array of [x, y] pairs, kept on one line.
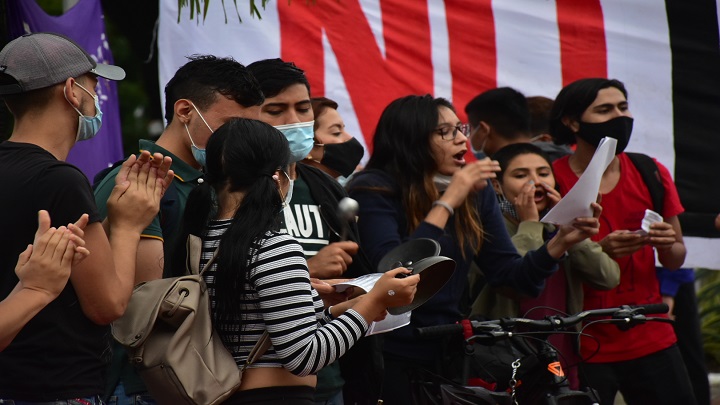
{"points": [[583, 51], [473, 54], [372, 80]]}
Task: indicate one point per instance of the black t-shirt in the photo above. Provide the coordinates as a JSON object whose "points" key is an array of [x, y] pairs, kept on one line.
{"points": [[303, 221], [60, 353]]}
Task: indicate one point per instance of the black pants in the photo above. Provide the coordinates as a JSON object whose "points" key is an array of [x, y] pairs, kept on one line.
{"points": [[659, 378], [300, 395], [689, 336]]}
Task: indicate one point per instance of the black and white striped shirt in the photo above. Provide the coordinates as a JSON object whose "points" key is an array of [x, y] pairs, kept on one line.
{"points": [[279, 298]]}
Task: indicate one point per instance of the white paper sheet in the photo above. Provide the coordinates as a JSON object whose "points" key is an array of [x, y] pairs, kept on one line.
{"points": [[366, 283], [389, 323], [576, 203]]}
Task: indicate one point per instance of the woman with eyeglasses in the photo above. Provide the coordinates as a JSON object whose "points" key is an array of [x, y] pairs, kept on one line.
{"points": [[259, 280], [417, 184]]}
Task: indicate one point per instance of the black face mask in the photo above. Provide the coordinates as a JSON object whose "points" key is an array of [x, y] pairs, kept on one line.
{"points": [[619, 128], [343, 157]]}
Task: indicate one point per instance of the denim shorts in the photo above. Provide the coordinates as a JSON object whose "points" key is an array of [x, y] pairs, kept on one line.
{"points": [[120, 397]]}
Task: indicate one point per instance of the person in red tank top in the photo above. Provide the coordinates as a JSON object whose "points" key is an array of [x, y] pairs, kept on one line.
{"points": [[643, 363]]}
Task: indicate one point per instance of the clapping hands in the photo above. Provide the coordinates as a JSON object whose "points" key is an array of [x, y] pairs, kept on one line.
{"points": [[45, 265], [139, 187]]}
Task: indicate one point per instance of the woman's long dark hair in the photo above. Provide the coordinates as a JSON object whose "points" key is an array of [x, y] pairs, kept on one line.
{"points": [[401, 147], [242, 155]]}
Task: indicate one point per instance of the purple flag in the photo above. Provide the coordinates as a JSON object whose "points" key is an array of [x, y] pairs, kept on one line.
{"points": [[85, 24]]}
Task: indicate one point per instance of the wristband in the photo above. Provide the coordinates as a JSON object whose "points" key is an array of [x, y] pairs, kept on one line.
{"points": [[444, 205]]}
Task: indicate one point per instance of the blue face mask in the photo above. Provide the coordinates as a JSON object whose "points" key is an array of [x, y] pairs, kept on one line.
{"points": [[198, 154], [479, 153], [300, 137], [88, 127]]}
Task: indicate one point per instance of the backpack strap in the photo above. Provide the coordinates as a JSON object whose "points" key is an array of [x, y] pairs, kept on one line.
{"points": [[258, 350], [194, 250], [651, 176]]}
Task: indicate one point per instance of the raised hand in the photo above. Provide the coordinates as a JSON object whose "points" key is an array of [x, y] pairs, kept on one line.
{"points": [[332, 260], [139, 186], [78, 229], [45, 265], [662, 235], [473, 177], [579, 230], [524, 203], [553, 195], [395, 292], [622, 243], [164, 174], [582, 228], [327, 292], [161, 163]]}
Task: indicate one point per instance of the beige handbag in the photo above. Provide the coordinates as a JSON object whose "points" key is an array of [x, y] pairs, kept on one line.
{"points": [[168, 333]]}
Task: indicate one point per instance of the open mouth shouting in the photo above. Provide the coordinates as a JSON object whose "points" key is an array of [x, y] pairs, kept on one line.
{"points": [[459, 158]]}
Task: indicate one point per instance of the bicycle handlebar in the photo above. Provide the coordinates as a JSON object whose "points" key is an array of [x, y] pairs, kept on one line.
{"points": [[503, 327]]}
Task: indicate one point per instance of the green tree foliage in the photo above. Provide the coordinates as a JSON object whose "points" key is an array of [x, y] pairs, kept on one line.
{"points": [[200, 7], [709, 307]]}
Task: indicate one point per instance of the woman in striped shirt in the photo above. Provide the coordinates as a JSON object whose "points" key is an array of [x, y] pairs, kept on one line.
{"points": [[259, 280]]}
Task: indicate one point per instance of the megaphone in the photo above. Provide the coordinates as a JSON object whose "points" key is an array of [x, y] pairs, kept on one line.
{"points": [[420, 256]]}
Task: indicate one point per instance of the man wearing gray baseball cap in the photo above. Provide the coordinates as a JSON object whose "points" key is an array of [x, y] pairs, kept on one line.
{"points": [[48, 83]]}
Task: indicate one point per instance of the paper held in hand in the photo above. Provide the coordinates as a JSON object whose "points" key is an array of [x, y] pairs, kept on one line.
{"points": [[366, 283], [650, 218], [576, 203]]}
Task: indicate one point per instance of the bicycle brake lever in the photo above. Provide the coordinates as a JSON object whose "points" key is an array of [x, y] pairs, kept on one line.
{"points": [[658, 319], [630, 317], [489, 336]]}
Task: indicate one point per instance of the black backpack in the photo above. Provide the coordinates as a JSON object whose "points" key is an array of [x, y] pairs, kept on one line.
{"points": [[651, 176]]}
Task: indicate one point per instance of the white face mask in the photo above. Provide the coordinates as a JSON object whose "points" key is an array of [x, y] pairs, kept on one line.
{"points": [[288, 197]]}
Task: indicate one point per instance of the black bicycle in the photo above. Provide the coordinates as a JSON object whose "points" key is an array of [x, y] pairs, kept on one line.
{"points": [[535, 373]]}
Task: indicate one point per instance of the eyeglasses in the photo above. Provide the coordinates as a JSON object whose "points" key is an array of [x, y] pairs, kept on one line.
{"points": [[448, 132]]}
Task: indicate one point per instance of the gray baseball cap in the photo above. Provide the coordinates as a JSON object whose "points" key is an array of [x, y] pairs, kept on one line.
{"points": [[39, 60]]}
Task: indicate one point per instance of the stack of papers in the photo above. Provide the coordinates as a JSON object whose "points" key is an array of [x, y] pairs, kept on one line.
{"points": [[576, 203]]}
